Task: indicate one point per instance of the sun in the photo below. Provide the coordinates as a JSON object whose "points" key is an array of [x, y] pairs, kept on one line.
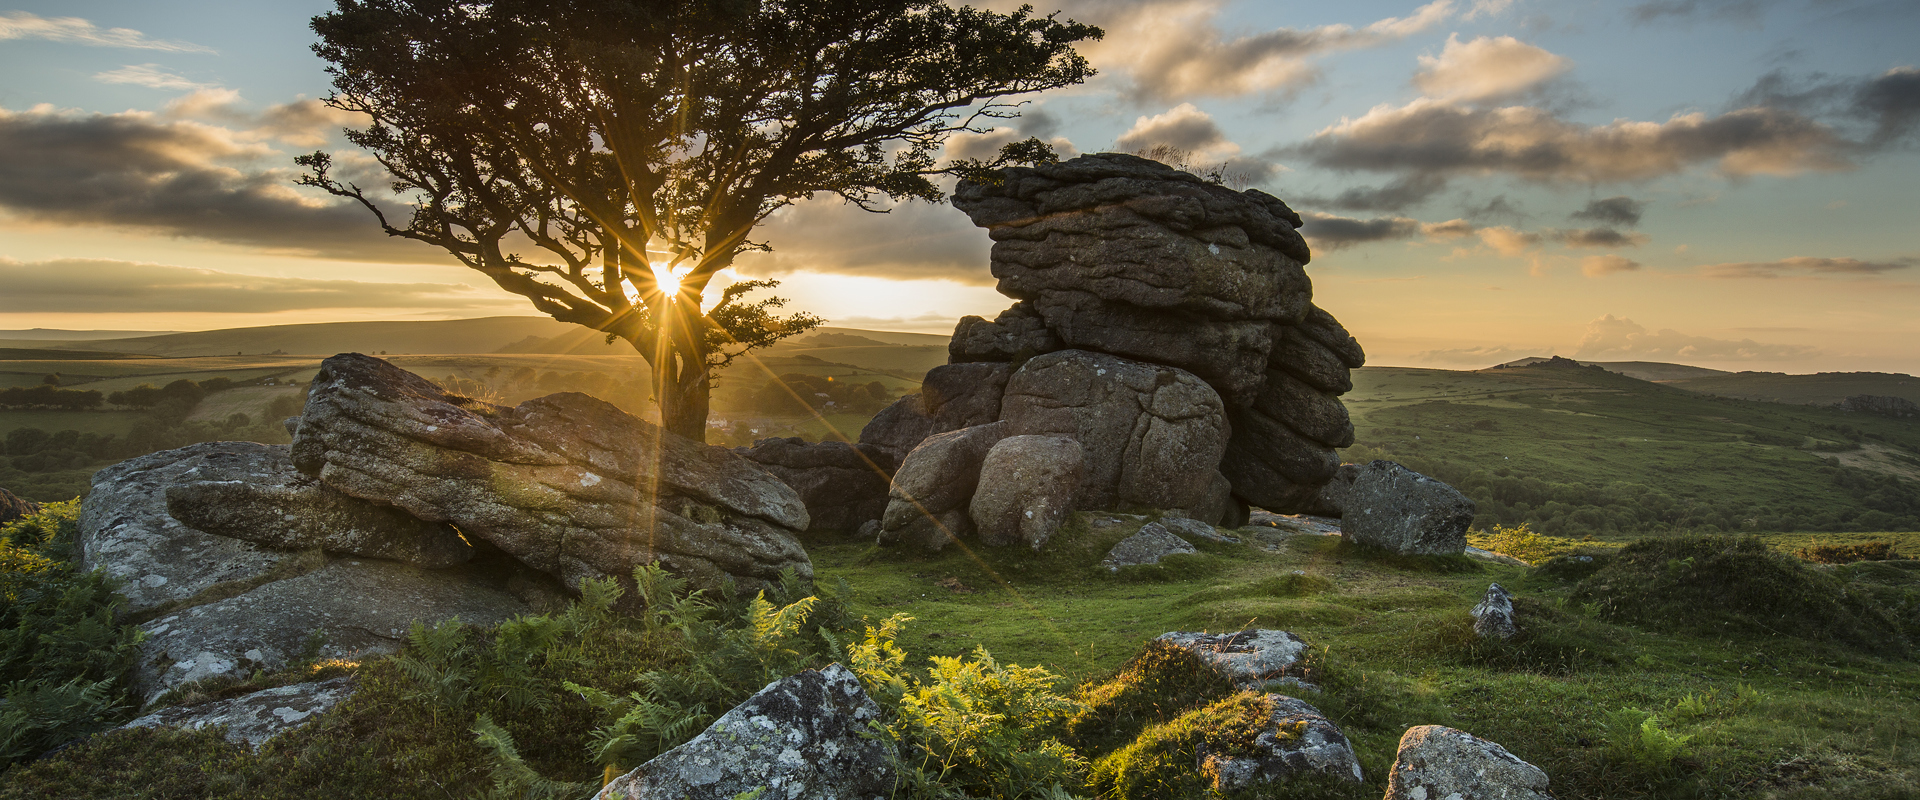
{"points": [[669, 278]]}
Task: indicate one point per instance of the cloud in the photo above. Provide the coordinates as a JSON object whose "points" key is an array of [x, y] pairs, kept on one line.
{"points": [[1803, 265], [1885, 108], [1596, 237], [1487, 8], [1188, 135], [1476, 355], [1330, 232], [1622, 211], [1507, 241], [150, 76], [1439, 137], [1486, 68], [1597, 266], [22, 25], [100, 286], [1617, 338], [1892, 102], [1333, 232], [1655, 11], [1397, 195], [914, 240], [1175, 49], [180, 177]]}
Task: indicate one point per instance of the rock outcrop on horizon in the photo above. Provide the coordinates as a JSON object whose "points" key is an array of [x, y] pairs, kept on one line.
{"points": [[1162, 322], [566, 484]]}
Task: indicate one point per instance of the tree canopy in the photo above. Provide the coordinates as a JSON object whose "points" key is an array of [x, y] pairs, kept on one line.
{"points": [[606, 158]]}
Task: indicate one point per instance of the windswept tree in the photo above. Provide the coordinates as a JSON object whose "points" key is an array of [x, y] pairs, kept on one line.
{"points": [[606, 158]]}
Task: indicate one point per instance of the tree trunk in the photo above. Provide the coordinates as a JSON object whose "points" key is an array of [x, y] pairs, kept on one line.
{"points": [[681, 381]]}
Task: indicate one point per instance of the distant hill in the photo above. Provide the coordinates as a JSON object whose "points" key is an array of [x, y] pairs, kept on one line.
{"points": [[1823, 389], [1656, 371], [462, 336], [58, 335], [21, 354]]}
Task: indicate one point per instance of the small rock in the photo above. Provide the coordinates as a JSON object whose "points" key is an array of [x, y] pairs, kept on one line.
{"points": [[1493, 617], [935, 482], [1386, 505], [1147, 546], [1299, 740], [1250, 659], [12, 507], [1437, 763], [801, 737], [253, 719], [1195, 529]]}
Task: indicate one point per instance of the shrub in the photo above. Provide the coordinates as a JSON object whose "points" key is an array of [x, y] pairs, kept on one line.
{"points": [[1704, 585], [1848, 553], [64, 663]]}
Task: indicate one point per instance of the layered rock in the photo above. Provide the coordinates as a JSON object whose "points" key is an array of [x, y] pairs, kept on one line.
{"points": [[1119, 256], [807, 736], [1436, 762], [566, 484], [843, 485], [951, 397], [259, 497], [1128, 256]]}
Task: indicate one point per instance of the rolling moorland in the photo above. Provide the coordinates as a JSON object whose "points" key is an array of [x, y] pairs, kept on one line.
{"points": [[1682, 668]]}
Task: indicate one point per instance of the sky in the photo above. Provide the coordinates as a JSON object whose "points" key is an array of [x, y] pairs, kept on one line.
{"points": [[1725, 183]]}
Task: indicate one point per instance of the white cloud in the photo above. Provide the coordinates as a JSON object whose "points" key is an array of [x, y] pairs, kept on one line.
{"points": [[1597, 266], [150, 76], [22, 25], [1613, 338], [1486, 68]]}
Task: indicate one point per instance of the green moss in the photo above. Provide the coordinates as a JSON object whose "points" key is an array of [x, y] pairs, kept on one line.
{"points": [[1157, 685], [1162, 762]]}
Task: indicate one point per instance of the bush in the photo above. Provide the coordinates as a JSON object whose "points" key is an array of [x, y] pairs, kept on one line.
{"points": [[64, 664], [1704, 585], [1848, 553]]}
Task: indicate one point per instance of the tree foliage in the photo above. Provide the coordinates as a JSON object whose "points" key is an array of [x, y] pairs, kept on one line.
{"points": [[633, 145]]}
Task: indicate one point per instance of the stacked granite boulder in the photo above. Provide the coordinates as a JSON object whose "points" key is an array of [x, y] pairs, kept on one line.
{"points": [[1163, 323]]}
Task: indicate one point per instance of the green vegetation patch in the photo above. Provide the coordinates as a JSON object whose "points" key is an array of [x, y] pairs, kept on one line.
{"points": [[1706, 585]]}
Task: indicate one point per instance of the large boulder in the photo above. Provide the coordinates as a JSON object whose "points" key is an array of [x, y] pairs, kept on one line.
{"points": [[254, 718], [1153, 435], [1438, 763], [357, 607], [12, 507], [261, 498], [566, 484], [1296, 740], [801, 737], [1026, 490], [928, 501], [1383, 504], [1126, 255], [126, 530], [951, 397], [843, 485], [1283, 445]]}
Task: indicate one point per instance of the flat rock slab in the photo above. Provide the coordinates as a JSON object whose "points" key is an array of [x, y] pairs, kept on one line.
{"points": [[1147, 546], [1194, 529], [253, 719], [567, 484], [1436, 762], [801, 737], [1299, 740], [1250, 658], [125, 527], [362, 607]]}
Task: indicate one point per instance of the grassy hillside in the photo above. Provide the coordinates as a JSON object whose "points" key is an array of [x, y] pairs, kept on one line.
{"points": [[1824, 389], [1644, 370], [484, 335], [1583, 451]]}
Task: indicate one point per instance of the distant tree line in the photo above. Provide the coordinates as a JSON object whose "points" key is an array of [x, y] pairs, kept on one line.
{"points": [[48, 396], [796, 394]]}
